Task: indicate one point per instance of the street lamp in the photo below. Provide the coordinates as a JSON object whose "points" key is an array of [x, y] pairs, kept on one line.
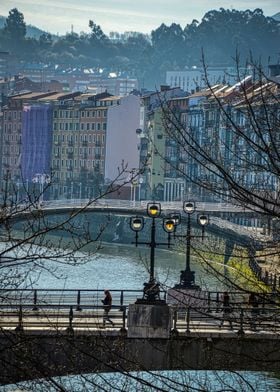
{"points": [[187, 277], [42, 179], [151, 288]]}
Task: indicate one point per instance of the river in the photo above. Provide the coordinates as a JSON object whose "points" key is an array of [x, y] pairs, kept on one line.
{"points": [[126, 266]]}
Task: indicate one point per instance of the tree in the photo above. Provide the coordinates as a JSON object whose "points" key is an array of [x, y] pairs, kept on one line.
{"points": [[15, 27], [97, 34]]}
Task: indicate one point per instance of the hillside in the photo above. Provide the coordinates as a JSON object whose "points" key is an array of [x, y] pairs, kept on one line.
{"points": [[276, 16], [31, 31]]}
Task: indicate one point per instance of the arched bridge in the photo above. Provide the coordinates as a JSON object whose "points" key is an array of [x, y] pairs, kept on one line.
{"points": [[218, 212]]}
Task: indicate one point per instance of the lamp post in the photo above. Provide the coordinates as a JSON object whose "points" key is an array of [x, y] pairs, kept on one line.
{"points": [[187, 277], [71, 190], [41, 179], [151, 288], [80, 191], [140, 182]]}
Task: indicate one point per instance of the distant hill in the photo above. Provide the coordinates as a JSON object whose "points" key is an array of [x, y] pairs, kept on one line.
{"points": [[31, 31], [276, 16]]}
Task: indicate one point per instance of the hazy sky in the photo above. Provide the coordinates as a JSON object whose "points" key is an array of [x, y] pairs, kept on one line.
{"points": [[57, 16]]}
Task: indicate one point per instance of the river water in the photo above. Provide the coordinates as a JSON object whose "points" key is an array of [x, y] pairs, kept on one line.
{"points": [[125, 267], [121, 267]]}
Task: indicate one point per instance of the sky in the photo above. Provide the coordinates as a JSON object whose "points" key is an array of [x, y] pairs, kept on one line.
{"points": [[58, 16]]}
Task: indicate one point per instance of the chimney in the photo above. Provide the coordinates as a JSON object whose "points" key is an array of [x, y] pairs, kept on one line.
{"points": [[274, 70], [164, 88]]}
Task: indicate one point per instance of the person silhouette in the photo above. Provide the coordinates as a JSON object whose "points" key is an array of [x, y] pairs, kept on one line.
{"points": [[226, 310], [107, 304]]}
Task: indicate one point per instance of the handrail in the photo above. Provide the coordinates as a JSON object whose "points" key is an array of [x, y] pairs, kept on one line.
{"points": [[187, 319], [90, 297]]}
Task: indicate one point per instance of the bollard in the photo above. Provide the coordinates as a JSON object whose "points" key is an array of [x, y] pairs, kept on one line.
{"points": [[165, 296], [70, 329], [175, 319], [19, 327], [78, 307], [274, 282], [121, 300], [123, 329], [188, 321], [241, 329], [217, 302], [266, 277], [209, 302], [35, 307]]}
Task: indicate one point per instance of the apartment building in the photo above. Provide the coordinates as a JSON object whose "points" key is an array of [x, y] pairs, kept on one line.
{"points": [[11, 136], [197, 78], [160, 180], [66, 137], [78, 148]]}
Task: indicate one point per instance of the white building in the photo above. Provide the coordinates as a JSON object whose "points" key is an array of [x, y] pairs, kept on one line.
{"points": [[121, 138], [195, 78]]}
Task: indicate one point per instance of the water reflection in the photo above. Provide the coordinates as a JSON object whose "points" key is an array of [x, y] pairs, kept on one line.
{"points": [[168, 381], [122, 267]]}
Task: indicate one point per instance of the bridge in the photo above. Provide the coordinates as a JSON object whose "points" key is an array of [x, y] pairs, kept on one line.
{"points": [[243, 235], [43, 332]]}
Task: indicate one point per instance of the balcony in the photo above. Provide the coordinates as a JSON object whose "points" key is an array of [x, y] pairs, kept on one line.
{"points": [[70, 155], [84, 143]]}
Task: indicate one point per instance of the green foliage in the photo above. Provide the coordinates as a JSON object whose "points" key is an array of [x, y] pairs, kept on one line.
{"points": [[15, 27]]}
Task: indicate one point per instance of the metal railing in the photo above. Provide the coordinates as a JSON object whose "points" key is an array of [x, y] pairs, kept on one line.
{"points": [[63, 298], [69, 310], [241, 320]]}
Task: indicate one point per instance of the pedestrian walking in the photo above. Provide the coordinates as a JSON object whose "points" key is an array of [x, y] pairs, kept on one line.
{"points": [[254, 304], [227, 309], [107, 302]]}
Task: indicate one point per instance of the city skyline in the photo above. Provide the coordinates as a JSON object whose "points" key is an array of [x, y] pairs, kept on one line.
{"points": [[69, 15]]}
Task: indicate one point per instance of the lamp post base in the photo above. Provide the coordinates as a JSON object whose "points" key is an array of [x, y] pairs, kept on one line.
{"points": [[187, 281], [151, 294]]}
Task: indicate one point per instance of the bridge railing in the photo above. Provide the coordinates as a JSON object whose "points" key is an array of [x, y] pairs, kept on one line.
{"points": [[78, 298], [239, 319], [185, 319], [83, 298]]}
